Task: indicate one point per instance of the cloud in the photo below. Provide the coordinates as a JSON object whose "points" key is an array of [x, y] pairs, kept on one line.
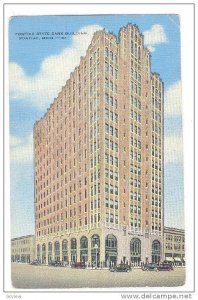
{"points": [[151, 48], [173, 100], [173, 149], [41, 88], [14, 141], [21, 150], [156, 35]]}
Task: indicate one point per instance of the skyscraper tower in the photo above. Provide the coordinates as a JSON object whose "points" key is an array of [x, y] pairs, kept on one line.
{"points": [[99, 158]]}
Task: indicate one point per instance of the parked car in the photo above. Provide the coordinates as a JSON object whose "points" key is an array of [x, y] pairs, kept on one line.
{"points": [[35, 262], [150, 267], [164, 267], [168, 263], [78, 265], [55, 263], [121, 268]]}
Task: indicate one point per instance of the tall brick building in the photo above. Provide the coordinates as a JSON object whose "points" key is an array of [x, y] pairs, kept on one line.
{"points": [[99, 158]]}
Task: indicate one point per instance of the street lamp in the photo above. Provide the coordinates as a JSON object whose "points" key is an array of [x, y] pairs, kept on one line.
{"points": [[96, 247]]}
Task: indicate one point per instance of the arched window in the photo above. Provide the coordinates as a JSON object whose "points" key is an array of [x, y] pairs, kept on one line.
{"points": [[49, 252], [43, 254], [83, 242], [57, 250], [95, 249], [95, 240], [43, 248], [110, 250], [65, 250], [84, 249], [135, 246], [111, 241], [38, 249], [156, 251], [156, 245], [73, 244], [135, 250]]}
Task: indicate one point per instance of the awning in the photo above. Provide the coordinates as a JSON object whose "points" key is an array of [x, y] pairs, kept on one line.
{"points": [[177, 258], [169, 259]]}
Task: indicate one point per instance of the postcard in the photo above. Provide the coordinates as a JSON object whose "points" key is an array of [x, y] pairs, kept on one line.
{"points": [[96, 152]]}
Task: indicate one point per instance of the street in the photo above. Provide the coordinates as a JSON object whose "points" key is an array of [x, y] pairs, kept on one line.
{"points": [[38, 277]]}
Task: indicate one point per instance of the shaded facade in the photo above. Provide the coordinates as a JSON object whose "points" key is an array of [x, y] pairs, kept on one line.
{"points": [[99, 158], [23, 249]]}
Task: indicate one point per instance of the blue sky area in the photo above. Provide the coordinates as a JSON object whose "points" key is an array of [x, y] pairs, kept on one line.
{"points": [[30, 61]]}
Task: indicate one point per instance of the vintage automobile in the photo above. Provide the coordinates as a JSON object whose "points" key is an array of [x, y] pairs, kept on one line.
{"points": [[35, 262], [150, 267], [168, 263], [55, 263], [78, 265], [120, 268], [165, 267]]}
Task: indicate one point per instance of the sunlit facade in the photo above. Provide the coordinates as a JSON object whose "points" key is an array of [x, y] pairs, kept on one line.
{"points": [[98, 154]]}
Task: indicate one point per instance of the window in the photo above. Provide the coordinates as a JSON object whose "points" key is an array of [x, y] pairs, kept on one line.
{"points": [[111, 85], [106, 52]]}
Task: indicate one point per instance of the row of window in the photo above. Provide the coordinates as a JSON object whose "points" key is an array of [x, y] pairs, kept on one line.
{"points": [[111, 203], [109, 188], [110, 159], [111, 218], [67, 226], [111, 115], [135, 102], [111, 55], [111, 130], [135, 182], [136, 116], [135, 142], [135, 156], [135, 75], [95, 189], [135, 88], [136, 129], [135, 209], [135, 196], [109, 144], [111, 70], [109, 100], [135, 169], [111, 174], [111, 85]]}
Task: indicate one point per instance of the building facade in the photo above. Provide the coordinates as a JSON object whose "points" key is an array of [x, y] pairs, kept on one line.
{"points": [[174, 244], [99, 158], [23, 249]]}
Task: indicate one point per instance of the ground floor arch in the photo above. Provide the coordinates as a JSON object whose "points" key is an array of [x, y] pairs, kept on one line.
{"points": [[49, 252], [65, 251], [135, 251], [73, 250], [156, 251], [43, 253], [99, 249], [38, 252], [57, 251], [84, 249], [111, 250], [95, 250]]}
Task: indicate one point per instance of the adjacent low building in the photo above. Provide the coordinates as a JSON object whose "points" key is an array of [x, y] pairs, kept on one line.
{"points": [[22, 249], [174, 245]]}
